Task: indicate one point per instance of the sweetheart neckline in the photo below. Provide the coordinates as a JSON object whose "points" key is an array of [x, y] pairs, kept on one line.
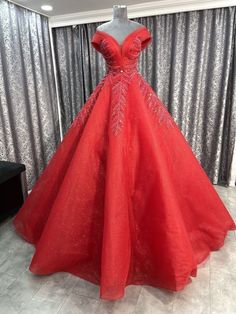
{"points": [[126, 37]]}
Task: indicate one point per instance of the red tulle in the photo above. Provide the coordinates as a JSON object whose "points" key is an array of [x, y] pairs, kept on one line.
{"points": [[123, 200]]}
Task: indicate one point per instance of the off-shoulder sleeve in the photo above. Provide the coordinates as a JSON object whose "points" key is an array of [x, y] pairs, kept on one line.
{"points": [[96, 40], [146, 38]]}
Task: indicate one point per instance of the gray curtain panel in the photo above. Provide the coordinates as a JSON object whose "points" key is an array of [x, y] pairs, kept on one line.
{"points": [[29, 131], [79, 68], [191, 66]]}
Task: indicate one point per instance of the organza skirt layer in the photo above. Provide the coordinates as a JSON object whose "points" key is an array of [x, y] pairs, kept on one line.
{"points": [[132, 208]]}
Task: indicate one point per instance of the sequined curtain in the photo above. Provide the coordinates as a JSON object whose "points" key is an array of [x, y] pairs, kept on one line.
{"points": [[190, 64], [28, 113]]}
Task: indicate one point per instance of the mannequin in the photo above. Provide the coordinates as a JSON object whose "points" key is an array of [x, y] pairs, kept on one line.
{"points": [[120, 26]]}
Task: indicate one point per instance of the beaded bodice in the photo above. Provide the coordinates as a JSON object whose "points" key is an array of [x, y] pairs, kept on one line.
{"points": [[121, 58]]}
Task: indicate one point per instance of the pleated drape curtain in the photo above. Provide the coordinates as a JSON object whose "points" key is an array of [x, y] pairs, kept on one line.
{"points": [[190, 64], [29, 130]]}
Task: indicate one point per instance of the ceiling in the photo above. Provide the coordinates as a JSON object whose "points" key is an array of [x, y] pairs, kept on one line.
{"points": [[72, 6]]}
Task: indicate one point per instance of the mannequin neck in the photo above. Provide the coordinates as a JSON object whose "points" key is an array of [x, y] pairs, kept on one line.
{"points": [[120, 13]]}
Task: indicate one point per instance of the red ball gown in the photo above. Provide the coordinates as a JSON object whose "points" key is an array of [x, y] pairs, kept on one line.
{"points": [[123, 200]]}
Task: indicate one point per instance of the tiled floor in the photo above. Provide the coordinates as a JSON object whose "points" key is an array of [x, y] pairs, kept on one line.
{"points": [[212, 291]]}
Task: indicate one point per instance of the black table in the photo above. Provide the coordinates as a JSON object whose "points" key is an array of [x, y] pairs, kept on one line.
{"points": [[13, 188]]}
